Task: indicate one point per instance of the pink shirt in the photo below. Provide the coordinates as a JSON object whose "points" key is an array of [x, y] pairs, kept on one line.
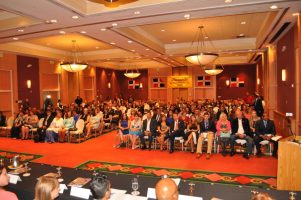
{"points": [[7, 195], [218, 127]]}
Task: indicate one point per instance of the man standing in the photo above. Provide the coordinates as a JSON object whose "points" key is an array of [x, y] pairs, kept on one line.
{"points": [[177, 128], [207, 129], [149, 128], [78, 101], [241, 130], [258, 105], [265, 130]]}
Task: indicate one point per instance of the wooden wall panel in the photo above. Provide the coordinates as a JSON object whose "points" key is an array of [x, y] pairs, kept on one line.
{"points": [[50, 82]]}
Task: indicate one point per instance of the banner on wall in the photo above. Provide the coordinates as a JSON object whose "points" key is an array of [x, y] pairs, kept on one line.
{"points": [[179, 81]]}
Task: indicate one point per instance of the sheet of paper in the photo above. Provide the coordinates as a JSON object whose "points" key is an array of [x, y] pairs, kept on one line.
{"points": [[276, 138], [176, 180], [13, 179], [116, 191], [186, 197], [80, 192], [151, 193], [126, 197], [62, 188]]}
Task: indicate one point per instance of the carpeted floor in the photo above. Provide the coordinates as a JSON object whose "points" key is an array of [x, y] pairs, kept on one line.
{"points": [[101, 149]]}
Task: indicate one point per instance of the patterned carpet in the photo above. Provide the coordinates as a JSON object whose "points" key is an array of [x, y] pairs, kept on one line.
{"points": [[24, 157], [192, 175]]}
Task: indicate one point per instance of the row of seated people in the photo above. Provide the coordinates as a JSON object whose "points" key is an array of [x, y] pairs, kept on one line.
{"points": [[166, 128]]}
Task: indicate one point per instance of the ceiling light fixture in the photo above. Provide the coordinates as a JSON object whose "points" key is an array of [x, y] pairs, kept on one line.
{"points": [[112, 43], [75, 65], [214, 70], [243, 23], [174, 40], [162, 30], [295, 14], [75, 17], [133, 50], [114, 24], [62, 32], [15, 38], [130, 41], [202, 56], [228, 1], [83, 32], [146, 49], [103, 29], [96, 47], [53, 21], [20, 30], [132, 74], [273, 7], [187, 16], [137, 12]]}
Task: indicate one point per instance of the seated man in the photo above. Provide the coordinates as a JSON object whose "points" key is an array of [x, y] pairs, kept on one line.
{"points": [[241, 130], [149, 128], [177, 128], [41, 132], [207, 129], [166, 189], [100, 187], [265, 130]]}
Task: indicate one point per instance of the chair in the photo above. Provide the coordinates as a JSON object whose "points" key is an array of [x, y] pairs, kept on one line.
{"points": [[33, 130], [9, 125], [241, 143], [180, 140], [268, 146], [154, 142], [80, 125]]}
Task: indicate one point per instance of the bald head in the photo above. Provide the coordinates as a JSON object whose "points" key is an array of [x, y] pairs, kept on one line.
{"points": [[166, 189]]}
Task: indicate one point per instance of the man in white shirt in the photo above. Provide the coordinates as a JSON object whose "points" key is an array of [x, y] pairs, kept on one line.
{"points": [[149, 128]]}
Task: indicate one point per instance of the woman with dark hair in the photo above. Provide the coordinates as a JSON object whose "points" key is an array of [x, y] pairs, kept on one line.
{"points": [[135, 129], [163, 129], [100, 187], [169, 118], [47, 188], [18, 123], [4, 179], [85, 116], [123, 131], [30, 122]]}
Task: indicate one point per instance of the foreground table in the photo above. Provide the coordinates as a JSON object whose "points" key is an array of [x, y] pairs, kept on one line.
{"points": [[25, 188]]}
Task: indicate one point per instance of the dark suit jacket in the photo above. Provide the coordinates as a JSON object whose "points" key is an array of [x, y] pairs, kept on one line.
{"points": [[181, 126], [258, 105], [245, 124], [153, 126], [155, 117], [260, 129], [2, 120], [211, 126], [48, 122]]}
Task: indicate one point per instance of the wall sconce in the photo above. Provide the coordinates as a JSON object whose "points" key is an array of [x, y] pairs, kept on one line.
{"points": [[109, 84], [28, 83], [227, 82], [140, 85], [283, 74], [258, 81]]}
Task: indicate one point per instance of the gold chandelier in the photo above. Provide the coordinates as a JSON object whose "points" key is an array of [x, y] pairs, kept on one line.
{"points": [[74, 65], [132, 74], [202, 56]]}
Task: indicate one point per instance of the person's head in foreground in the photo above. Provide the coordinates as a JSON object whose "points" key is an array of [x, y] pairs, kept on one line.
{"points": [[47, 188], [100, 187], [262, 196], [167, 189], [4, 179]]}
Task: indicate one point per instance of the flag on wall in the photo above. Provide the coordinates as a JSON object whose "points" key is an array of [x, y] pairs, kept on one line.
{"points": [[158, 83], [203, 81], [237, 82], [132, 85]]}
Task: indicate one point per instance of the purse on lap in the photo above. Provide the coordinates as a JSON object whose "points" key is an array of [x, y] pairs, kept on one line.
{"points": [[225, 134]]}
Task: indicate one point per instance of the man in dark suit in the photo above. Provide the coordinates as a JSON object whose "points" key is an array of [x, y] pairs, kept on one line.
{"points": [[265, 130], [207, 130], [157, 116], [149, 128], [258, 105], [241, 130], [41, 132], [2, 119], [177, 128]]}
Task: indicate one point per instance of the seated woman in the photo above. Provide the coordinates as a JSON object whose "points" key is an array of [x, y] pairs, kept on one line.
{"points": [[47, 188], [253, 119], [85, 116], [192, 131], [223, 131], [56, 125], [94, 123], [31, 121], [4, 179], [163, 130], [68, 124], [123, 132], [135, 129], [18, 123]]}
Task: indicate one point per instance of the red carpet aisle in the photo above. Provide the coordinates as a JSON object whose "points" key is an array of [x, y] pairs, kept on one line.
{"points": [[101, 149]]}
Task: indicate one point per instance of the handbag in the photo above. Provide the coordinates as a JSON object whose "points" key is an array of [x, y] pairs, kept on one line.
{"points": [[225, 134]]}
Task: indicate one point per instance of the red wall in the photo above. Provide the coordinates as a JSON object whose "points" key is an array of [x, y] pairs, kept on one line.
{"points": [[286, 94], [246, 72], [25, 73], [119, 84]]}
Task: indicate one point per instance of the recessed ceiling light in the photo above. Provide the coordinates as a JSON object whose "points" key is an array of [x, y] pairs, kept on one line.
{"points": [[273, 7], [112, 43], [103, 29], [187, 16], [20, 30], [174, 40], [75, 17], [96, 47], [114, 24], [137, 12], [241, 35], [146, 49], [83, 32], [162, 30], [62, 32], [15, 38], [295, 14], [53, 21], [133, 50], [206, 37], [243, 23], [250, 50], [228, 1], [130, 41]]}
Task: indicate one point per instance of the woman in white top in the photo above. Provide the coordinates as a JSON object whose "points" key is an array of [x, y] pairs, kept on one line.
{"points": [[135, 129], [56, 125], [94, 123]]}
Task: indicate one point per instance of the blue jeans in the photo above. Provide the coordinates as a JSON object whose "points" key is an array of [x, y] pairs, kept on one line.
{"points": [[51, 136]]}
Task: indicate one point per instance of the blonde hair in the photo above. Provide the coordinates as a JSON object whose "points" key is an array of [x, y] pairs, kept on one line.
{"points": [[262, 196], [222, 115], [44, 187]]}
